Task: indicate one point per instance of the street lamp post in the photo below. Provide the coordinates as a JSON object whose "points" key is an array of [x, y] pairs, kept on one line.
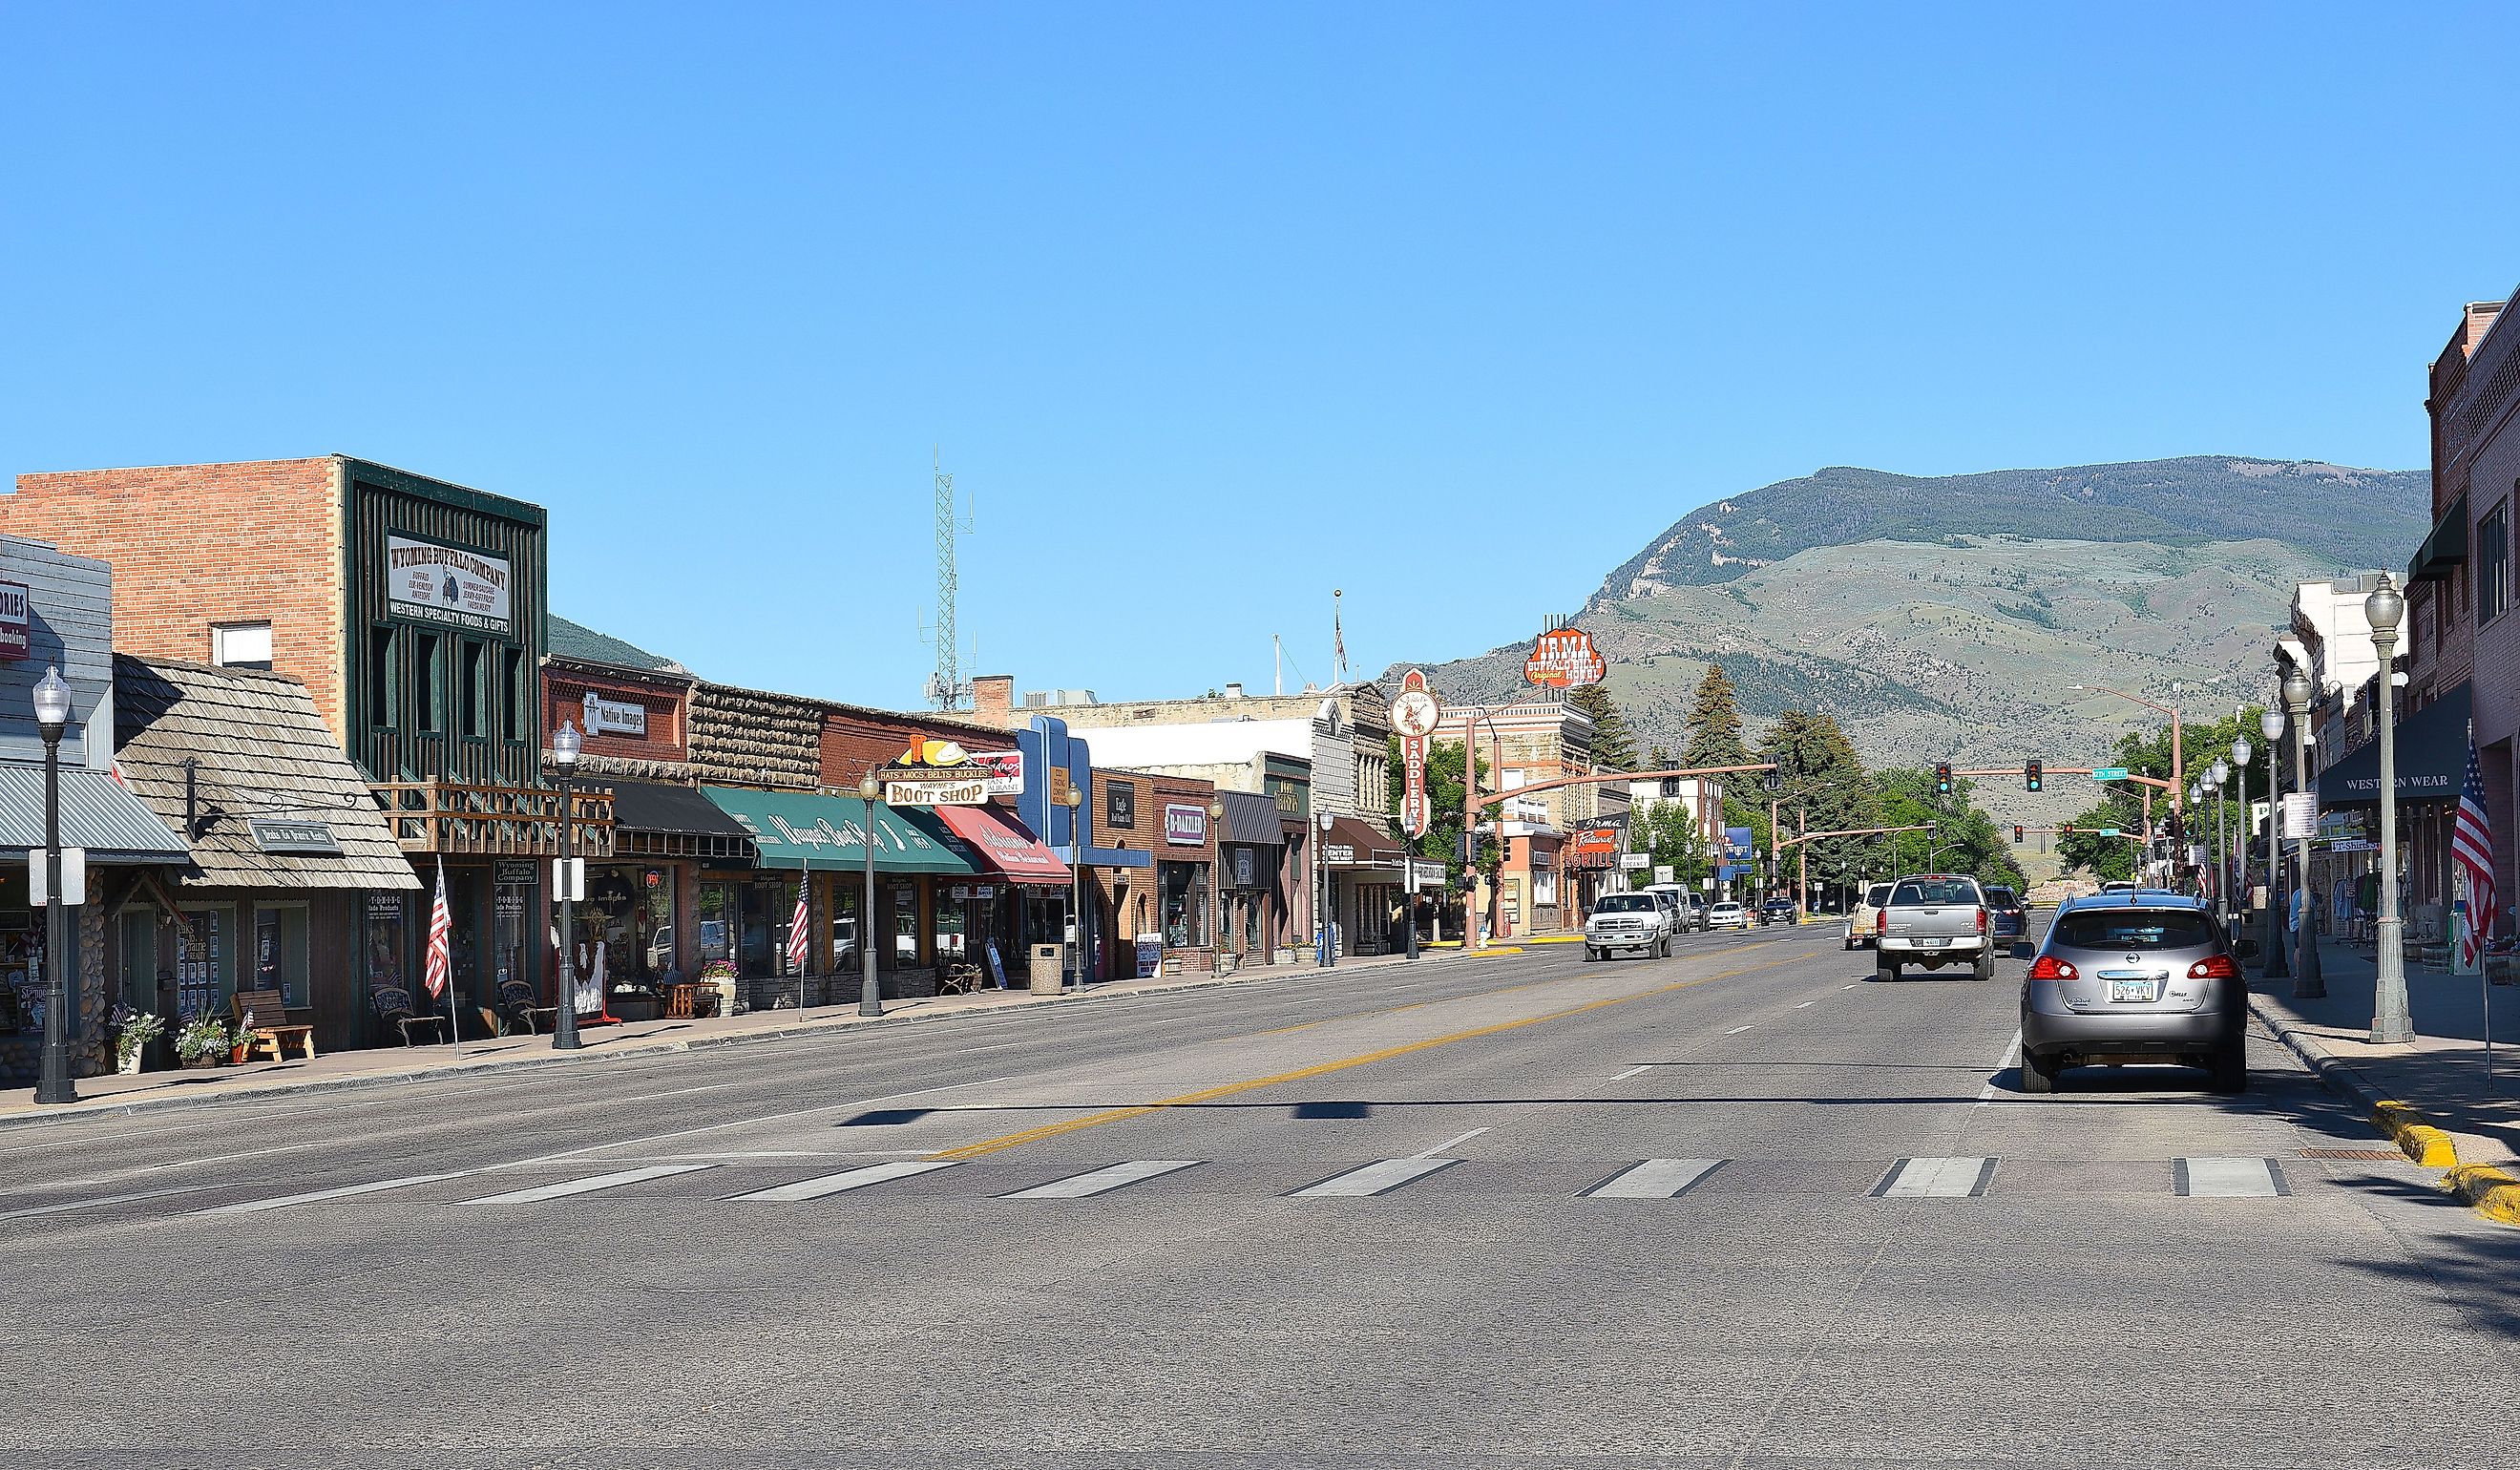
{"points": [[1076, 947], [1215, 879], [2195, 795], [2222, 838], [1327, 954], [51, 716], [869, 989], [1929, 847], [2270, 724], [566, 742], [2241, 750], [2308, 982], [2390, 1022]]}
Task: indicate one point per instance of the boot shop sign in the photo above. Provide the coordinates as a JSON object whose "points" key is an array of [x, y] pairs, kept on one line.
{"points": [[434, 583]]}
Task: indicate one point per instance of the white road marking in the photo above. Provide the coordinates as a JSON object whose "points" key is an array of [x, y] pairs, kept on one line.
{"points": [[283, 1202], [2230, 1178], [1374, 1178], [848, 1179], [1936, 1178], [1849, 985], [588, 1185], [1738, 1030], [1655, 1178], [1807, 1005], [1448, 1143], [2011, 1058], [1104, 1180], [1632, 1071], [713, 1127], [104, 1200]]}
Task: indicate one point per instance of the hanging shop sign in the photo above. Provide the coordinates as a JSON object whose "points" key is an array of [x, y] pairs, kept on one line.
{"points": [[17, 621], [1005, 771], [1564, 658], [1184, 826], [1414, 715], [615, 717], [447, 584], [312, 839]]}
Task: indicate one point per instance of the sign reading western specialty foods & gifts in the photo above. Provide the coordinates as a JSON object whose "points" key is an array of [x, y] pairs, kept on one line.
{"points": [[447, 584]]}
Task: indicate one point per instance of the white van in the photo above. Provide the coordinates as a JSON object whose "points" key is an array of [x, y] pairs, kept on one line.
{"points": [[1687, 910]]}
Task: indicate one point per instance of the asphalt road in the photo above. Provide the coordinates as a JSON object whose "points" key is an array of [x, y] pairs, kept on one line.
{"points": [[1745, 1207]]}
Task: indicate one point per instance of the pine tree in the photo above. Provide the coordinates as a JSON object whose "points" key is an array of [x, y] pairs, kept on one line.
{"points": [[1614, 743], [1714, 724]]}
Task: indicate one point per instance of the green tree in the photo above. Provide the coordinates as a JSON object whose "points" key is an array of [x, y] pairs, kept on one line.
{"points": [[1714, 724], [1663, 831], [1614, 742], [1966, 838], [2084, 849], [1444, 796], [1817, 771]]}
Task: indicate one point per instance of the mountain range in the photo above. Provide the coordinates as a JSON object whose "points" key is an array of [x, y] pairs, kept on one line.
{"points": [[1948, 617]]}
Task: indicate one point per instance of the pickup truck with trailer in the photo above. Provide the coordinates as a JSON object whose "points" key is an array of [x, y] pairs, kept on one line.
{"points": [[1934, 919]]}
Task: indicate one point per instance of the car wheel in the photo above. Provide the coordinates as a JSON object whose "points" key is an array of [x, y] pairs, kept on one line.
{"points": [[2038, 1075], [2231, 1069], [1591, 953], [1665, 951], [1985, 968], [1889, 973], [1850, 944]]}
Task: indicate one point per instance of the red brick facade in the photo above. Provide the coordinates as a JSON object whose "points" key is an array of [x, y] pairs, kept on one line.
{"points": [[856, 740], [665, 697], [277, 557]]}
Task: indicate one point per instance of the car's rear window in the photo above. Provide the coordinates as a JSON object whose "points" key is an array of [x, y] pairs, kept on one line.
{"points": [[1934, 891], [1627, 903], [2133, 929], [1878, 895], [1999, 897]]}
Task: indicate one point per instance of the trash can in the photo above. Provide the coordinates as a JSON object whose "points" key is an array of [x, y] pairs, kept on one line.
{"points": [[1048, 968]]}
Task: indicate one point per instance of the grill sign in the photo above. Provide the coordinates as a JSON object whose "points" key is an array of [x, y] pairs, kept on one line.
{"points": [[15, 621], [446, 583]]}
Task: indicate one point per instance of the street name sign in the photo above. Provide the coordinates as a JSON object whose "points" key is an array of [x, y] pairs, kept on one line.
{"points": [[2110, 772], [1636, 861], [2300, 815]]}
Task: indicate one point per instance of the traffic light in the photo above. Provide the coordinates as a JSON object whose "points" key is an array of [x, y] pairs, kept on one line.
{"points": [[2036, 774], [2016, 834], [1943, 779], [2066, 831]]}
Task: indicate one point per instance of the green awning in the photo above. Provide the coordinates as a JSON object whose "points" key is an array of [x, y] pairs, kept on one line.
{"points": [[805, 830]]}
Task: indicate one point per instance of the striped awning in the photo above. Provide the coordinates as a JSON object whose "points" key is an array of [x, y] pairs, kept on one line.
{"points": [[97, 813]]}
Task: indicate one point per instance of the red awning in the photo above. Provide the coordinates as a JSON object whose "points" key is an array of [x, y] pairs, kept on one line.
{"points": [[1003, 846]]}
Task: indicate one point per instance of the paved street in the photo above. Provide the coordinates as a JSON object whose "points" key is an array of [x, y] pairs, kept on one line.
{"points": [[1743, 1206]]}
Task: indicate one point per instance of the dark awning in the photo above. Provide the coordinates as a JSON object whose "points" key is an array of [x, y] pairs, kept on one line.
{"points": [[2431, 759], [1251, 818], [1350, 843], [653, 807], [2445, 547], [807, 829], [97, 813]]}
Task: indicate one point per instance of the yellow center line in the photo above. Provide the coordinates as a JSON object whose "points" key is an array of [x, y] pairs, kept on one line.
{"points": [[1324, 1069]]}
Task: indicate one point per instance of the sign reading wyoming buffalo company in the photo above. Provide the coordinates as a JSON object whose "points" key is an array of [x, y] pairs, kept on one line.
{"points": [[447, 584]]}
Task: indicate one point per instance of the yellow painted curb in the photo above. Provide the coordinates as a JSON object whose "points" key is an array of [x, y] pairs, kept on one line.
{"points": [[1494, 949], [2488, 1190], [2416, 1134]]}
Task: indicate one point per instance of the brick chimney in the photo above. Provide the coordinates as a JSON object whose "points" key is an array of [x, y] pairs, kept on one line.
{"points": [[993, 700]]}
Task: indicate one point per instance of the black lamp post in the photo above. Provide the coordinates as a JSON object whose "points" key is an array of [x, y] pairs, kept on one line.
{"points": [[52, 715], [869, 989], [565, 744], [1077, 947]]}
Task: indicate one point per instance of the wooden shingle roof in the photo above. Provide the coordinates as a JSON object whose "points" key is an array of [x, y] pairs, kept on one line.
{"points": [[262, 751]]}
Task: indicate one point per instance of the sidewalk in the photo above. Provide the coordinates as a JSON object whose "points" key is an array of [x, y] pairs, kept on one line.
{"points": [[119, 1094], [2441, 1073]]}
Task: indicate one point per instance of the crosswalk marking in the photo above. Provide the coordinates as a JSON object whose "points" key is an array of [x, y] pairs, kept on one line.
{"points": [[588, 1185], [1935, 1178], [1655, 1178], [1104, 1180], [252, 1206], [848, 1179], [2231, 1178], [1378, 1178]]}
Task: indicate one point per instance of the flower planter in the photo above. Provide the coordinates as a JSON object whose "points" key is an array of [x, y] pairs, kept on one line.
{"points": [[192, 1063], [128, 1066], [236, 1056]]}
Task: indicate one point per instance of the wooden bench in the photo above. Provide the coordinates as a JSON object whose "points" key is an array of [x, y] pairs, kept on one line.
{"points": [[263, 1006]]}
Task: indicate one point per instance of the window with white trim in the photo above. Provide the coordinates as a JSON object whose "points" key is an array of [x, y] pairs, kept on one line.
{"points": [[241, 645]]}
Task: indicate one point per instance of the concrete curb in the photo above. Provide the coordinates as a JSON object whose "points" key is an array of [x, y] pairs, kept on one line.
{"points": [[2416, 1134], [2488, 1190], [836, 1026]]}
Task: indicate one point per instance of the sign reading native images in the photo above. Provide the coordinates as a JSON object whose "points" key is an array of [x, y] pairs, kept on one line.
{"points": [[447, 584]]}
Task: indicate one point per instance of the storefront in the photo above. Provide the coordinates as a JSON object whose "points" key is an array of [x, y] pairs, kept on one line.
{"points": [[1022, 899], [1366, 871], [640, 925], [742, 918], [1251, 877]]}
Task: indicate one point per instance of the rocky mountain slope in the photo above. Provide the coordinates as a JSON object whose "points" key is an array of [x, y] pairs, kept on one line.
{"points": [[1946, 618]]}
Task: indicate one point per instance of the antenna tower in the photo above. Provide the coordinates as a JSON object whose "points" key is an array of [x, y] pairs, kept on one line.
{"points": [[945, 688]]}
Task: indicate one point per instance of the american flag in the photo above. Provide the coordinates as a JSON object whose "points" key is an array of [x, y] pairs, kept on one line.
{"points": [[2471, 842], [441, 935], [800, 927]]}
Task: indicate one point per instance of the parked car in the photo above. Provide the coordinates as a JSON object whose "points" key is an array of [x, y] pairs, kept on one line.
{"points": [[1934, 919], [1776, 910], [1632, 922], [2012, 919], [1689, 911], [2135, 977], [1867, 917], [1728, 915]]}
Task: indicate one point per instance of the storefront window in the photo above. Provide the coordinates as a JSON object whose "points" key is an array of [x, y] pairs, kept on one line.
{"points": [[21, 998], [717, 923], [280, 960], [384, 943], [847, 897], [1184, 897], [768, 905], [954, 942], [905, 923], [516, 883]]}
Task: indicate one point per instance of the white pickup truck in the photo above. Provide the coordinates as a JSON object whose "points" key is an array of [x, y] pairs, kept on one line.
{"points": [[1934, 919]]}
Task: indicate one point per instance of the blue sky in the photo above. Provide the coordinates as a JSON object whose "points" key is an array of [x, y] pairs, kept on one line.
{"points": [[1211, 309]]}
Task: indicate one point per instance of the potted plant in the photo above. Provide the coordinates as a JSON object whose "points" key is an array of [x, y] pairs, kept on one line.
{"points": [[721, 973], [202, 1041], [240, 1051], [133, 1031]]}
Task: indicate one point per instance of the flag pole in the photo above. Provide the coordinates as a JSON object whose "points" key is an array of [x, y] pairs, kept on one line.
{"points": [[454, 1036]]}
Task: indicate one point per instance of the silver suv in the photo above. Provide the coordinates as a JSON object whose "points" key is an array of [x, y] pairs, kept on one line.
{"points": [[2134, 977], [1640, 921]]}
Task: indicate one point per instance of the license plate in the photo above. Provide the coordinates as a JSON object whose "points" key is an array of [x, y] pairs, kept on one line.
{"points": [[1931, 944], [2140, 990]]}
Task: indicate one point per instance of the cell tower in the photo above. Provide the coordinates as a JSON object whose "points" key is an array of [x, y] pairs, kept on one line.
{"points": [[945, 688]]}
